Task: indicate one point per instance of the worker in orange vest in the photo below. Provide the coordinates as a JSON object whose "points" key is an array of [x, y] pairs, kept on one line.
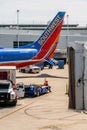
{"points": [[46, 83]]}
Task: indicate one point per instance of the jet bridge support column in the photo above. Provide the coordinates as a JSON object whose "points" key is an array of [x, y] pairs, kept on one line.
{"points": [[76, 87]]}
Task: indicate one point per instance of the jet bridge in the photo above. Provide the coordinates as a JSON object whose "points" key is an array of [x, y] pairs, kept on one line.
{"points": [[77, 57]]}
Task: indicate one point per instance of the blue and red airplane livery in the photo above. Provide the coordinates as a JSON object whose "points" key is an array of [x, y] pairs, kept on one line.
{"points": [[38, 51]]}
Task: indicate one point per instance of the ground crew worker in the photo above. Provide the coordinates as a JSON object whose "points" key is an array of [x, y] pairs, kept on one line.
{"points": [[46, 83]]}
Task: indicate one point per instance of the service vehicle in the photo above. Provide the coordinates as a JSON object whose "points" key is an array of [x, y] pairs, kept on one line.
{"points": [[20, 90], [41, 65], [47, 64], [37, 90], [7, 93], [30, 69]]}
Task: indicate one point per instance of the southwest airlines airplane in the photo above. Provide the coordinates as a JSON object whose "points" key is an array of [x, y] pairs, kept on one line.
{"points": [[41, 50]]}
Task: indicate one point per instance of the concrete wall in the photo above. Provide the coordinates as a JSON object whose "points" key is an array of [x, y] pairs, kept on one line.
{"points": [[8, 36]]}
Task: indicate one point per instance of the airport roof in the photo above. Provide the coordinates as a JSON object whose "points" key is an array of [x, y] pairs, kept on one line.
{"points": [[35, 25], [40, 26]]}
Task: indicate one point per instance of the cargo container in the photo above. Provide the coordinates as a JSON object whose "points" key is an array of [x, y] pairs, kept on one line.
{"points": [[61, 64], [8, 73]]}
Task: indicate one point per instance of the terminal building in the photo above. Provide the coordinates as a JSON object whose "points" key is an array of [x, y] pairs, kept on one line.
{"points": [[13, 36]]}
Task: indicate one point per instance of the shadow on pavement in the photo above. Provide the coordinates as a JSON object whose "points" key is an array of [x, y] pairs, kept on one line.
{"points": [[42, 76]]}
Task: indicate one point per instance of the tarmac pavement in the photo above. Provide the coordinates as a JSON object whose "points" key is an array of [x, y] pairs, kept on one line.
{"points": [[46, 112]]}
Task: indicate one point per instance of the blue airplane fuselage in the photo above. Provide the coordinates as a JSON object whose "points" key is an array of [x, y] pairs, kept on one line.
{"points": [[10, 55]]}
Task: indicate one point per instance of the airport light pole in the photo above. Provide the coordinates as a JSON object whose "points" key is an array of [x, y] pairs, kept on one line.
{"points": [[67, 40], [18, 27], [67, 30]]}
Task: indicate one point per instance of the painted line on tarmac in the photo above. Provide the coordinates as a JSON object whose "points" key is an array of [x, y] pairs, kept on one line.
{"points": [[22, 107], [28, 112], [40, 98], [16, 111]]}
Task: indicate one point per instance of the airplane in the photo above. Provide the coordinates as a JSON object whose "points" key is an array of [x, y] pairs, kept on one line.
{"points": [[40, 50]]}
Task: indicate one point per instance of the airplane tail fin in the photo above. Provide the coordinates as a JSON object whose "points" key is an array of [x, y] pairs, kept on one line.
{"points": [[52, 32], [46, 43], [50, 35]]}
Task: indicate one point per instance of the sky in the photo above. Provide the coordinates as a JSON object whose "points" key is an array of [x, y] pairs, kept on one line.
{"points": [[42, 11]]}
